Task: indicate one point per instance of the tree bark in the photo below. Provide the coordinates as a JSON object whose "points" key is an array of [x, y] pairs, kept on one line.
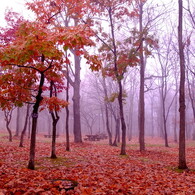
{"points": [[17, 122], [67, 113], [117, 131], [106, 112], [53, 147], [25, 126], [120, 88], [182, 106], [55, 118], [141, 115], [76, 102], [165, 123], [31, 163], [8, 117]]}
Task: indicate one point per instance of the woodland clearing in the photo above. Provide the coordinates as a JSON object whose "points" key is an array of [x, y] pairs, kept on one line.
{"points": [[96, 168]]}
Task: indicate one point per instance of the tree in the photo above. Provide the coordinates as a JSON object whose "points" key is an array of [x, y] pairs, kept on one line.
{"points": [[55, 117], [182, 152], [141, 114], [34, 51], [66, 14], [115, 52], [8, 117], [67, 113]]}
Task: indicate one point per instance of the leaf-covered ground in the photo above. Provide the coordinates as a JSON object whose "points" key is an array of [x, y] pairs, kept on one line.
{"points": [[96, 169]]}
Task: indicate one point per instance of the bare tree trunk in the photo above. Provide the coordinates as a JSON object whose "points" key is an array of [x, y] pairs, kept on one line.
{"points": [[152, 117], [8, 117], [31, 163], [106, 112], [165, 123], [120, 94], [55, 118], [175, 120], [76, 102], [29, 126], [25, 126], [117, 131], [141, 115], [182, 106], [123, 125], [17, 122], [67, 114]]}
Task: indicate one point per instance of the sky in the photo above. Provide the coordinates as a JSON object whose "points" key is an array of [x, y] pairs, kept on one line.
{"points": [[16, 5]]}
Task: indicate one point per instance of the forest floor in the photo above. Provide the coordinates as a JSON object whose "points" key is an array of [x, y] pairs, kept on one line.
{"points": [[96, 168]]}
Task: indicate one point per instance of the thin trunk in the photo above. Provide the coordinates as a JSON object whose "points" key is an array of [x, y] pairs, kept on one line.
{"points": [[8, 117], [175, 122], [141, 117], [25, 126], [9, 131], [29, 126], [165, 125], [76, 102], [152, 117], [53, 147], [67, 114], [106, 112], [131, 110], [182, 106], [31, 163], [120, 95], [55, 118], [17, 122], [117, 130]]}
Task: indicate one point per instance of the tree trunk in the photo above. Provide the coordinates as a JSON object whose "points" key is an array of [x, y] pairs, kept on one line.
{"points": [[120, 88], [25, 126], [9, 131], [123, 125], [141, 115], [8, 117], [39, 98], [55, 118], [131, 110], [29, 126], [53, 147], [106, 112], [17, 122], [67, 114], [117, 131], [175, 121], [165, 124], [182, 106], [76, 102], [152, 117]]}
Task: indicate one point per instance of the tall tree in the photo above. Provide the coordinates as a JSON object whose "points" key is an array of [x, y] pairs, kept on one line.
{"points": [[113, 50], [34, 51], [67, 112], [66, 14], [141, 114], [182, 123]]}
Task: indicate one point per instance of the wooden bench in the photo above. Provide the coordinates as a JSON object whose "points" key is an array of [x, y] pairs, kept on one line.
{"points": [[50, 136], [103, 136], [92, 138], [96, 137]]}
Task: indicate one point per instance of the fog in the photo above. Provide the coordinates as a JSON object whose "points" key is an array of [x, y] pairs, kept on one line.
{"points": [[161, 92]]}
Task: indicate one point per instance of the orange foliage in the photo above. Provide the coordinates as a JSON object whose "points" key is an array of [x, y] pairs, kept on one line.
{"points": [[97, 168]]}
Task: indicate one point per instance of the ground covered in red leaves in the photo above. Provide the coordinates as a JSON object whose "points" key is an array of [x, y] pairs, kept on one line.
{"points": [[96, 168]]}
